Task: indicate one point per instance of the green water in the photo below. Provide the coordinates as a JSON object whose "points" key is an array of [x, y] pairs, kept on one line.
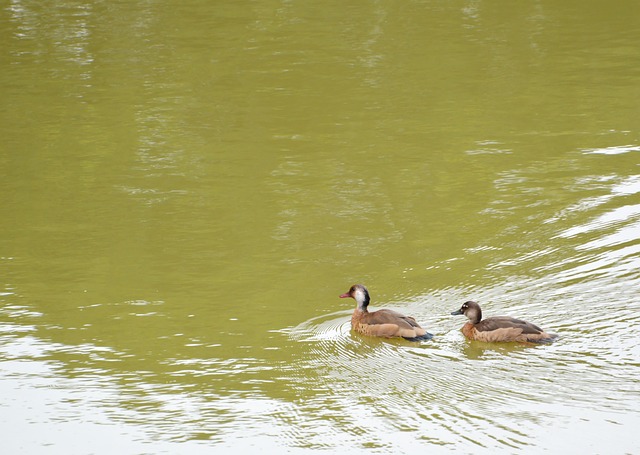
{"points": [[187, 187]]}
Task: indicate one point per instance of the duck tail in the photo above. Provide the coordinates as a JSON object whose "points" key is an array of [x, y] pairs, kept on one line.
{"points": [[425, 337], [550, 338]]}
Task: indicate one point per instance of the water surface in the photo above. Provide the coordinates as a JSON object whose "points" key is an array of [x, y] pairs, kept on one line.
{"points": [[188, 187]]}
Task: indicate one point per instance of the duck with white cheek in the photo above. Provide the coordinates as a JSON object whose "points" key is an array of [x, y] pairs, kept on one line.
{"points": [[382, 323]]}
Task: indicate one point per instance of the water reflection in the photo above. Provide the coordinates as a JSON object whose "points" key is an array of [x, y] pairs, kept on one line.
{"points": [[449, 384], [188, 187]]}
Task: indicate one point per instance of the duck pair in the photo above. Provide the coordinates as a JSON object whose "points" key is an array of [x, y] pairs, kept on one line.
{"points": [[388, 323]]}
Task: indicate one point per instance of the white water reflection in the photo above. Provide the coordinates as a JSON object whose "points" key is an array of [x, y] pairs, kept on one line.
{"points": [[262, 159], [615, 150]]}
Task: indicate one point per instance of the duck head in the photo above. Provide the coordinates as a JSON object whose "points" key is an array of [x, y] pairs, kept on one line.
{"points": [[471, 310], [360, 294]]}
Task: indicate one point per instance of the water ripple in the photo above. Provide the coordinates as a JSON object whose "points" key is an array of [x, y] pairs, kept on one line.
{"points": [[408, 387]]}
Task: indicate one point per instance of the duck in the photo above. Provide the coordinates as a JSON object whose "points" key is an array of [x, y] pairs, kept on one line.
{"points": [[499, 328], [382, 323]]}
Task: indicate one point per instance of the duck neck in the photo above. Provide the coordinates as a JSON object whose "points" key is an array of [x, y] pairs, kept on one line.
{"points": [[475, 316], [363, 304]]}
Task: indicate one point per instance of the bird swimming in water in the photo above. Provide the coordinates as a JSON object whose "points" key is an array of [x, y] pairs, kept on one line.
{"points": [[499, 328], [382, 323]]}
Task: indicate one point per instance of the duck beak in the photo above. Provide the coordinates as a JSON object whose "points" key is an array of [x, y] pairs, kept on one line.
{"points": [[345, 295], [457, 312]]}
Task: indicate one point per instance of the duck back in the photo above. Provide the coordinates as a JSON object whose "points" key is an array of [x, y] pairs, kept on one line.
{"points": [[505, 328], [388, 323], [500, 322]]}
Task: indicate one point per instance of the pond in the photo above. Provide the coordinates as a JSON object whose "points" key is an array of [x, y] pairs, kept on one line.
{"points": [[189, 186]]}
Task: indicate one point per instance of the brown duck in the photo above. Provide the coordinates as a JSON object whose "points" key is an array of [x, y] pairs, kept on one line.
{"points": [[499, 328], [382, 323]]}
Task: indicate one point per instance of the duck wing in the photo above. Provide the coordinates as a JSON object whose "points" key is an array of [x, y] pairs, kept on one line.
{"points": [[506, 322], [389, 323], [392, 317]]}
